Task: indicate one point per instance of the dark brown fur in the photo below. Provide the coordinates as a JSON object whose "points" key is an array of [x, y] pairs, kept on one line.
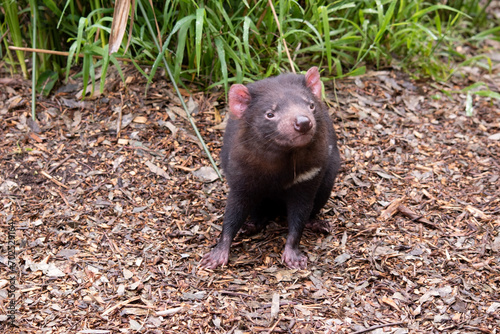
{"points": [[279, 154]]}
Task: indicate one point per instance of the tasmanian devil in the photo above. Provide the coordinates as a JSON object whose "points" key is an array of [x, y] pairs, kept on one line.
{"points": [[279, 151]]}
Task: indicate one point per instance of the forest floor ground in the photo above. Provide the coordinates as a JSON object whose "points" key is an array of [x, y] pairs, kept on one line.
{"points": [[109, 224]]}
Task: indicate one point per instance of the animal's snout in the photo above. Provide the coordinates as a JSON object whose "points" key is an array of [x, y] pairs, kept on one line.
{"points": [[302, 124]]}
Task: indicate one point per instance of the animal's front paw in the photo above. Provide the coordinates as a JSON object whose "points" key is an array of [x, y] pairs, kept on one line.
{"points": [[216, 257], [294, 258]]}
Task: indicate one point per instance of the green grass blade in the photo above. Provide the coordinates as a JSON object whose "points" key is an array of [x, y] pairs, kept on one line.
{"points": [[246, 42], [486, 34], [92, 77], [219, 45], [338, 67], [358, 71], [71, 54], [53, 7], [61, 16], [200, 16], [326, 32], [46, 82], [434, 8], [488, 93], [185, 21], [12, 19], [104, 69], [82, 24], [222, 11], [437, 21], [87, 60], [179, 54]]}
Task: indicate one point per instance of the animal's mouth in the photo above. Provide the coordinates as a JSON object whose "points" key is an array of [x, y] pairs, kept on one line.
{"points": [[297, 141], [302, 139]]}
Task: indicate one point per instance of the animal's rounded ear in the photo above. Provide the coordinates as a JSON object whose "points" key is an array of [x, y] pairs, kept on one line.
{"points": [[313, 81], [239, 98]]}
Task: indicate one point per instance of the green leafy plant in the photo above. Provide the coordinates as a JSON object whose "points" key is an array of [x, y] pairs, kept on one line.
{"points": [[12, 19], [224, 41]]}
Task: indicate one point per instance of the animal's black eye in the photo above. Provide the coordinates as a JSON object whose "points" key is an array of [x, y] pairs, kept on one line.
{"points": [[269, 115], [312, 106]]}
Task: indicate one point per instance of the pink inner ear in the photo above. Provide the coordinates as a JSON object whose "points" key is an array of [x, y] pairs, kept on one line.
{"points": [[239, 98], [313, 81]]}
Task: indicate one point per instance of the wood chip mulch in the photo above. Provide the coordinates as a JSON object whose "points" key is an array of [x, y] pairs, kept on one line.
{"points": [[112, 221]]}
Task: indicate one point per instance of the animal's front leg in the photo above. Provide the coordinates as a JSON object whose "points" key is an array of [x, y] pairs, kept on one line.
{"points": [[237, 209], [299, 207]]}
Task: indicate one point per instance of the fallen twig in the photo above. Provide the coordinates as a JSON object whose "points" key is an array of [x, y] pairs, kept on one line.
{"points": [[378, 326], [123, 303], [392, 209], [274, 326], [51, 178], [56, 166], [57, 53], [64, 198], [415, 217], [397, 206]]}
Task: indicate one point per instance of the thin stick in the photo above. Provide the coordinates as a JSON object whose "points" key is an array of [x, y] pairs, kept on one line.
{"points": [[392, 209], [51, 178], [415, 217], [112, 308], [281, 35], [57, 165], [378, 326], [112, 246], [274, 326], [57, 53], [64, 198]]}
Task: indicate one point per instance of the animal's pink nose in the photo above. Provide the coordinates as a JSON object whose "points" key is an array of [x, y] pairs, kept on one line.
{"points": [[302, 124]]}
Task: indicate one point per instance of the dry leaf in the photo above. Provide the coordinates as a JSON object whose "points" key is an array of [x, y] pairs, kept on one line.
{"points": [[157, 170], [390, 302], [119, 24], [206, 174]]}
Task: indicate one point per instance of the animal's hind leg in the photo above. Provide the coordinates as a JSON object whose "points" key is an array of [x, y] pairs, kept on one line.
{"points": [[322, 196], [315, 224], [318, 225], [254, 225], [260, 217]]}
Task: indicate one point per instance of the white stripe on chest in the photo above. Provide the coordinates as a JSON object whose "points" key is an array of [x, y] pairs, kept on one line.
{"points": [[306, 176]]}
